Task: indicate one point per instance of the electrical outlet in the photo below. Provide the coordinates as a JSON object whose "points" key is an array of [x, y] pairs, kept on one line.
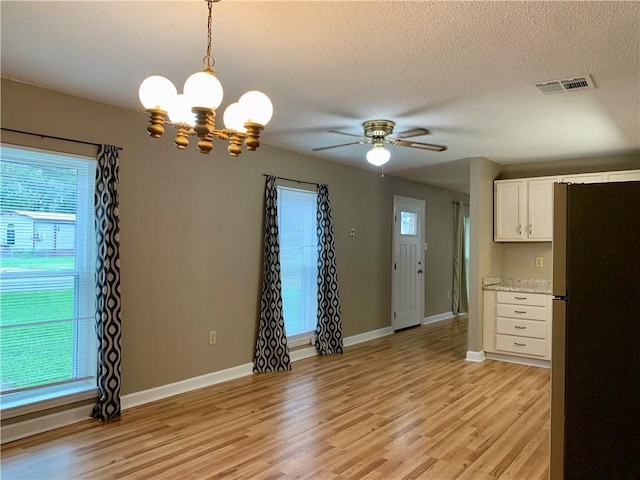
{"points": [[212, 337], [539, 262]]}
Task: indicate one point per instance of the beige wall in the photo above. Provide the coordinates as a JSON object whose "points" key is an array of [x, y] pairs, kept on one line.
{"points": [[484, 254], [518, 260], [191, 236], [629, 161]]}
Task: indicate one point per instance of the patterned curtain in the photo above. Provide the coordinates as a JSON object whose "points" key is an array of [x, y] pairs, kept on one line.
{"points": [[459, 300], [272, 354], [329, 329], [108, 325]]}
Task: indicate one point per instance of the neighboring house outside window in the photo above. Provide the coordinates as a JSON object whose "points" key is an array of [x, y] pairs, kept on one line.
{"points": [[48, 346]]}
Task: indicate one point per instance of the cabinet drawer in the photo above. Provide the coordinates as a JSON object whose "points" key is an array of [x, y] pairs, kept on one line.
{"points": [[522, 311], [521, 298], [523, 345], [524, 328]]}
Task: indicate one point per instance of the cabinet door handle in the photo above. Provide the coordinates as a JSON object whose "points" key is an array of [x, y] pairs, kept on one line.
{"points": [[520, 229], [520, 311], [520, 298], [519, 344], [530, 229], [519, 327]]}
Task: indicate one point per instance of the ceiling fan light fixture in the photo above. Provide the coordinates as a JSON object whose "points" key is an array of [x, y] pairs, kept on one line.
{"points": [[378, 156]]}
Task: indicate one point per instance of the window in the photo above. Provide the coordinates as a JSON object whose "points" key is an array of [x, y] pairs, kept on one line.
{"points": [[48, 345], [298, 260], [408, 223]]}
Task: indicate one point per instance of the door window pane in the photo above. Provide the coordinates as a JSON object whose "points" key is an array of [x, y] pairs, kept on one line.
{"points": [[408, 223]]}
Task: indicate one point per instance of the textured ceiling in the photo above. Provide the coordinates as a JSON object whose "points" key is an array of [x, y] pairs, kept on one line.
{"points": [[461, 69]]}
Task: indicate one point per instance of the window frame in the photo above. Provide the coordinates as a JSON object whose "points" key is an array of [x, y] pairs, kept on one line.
{"points": [[83, 385], [306, 337]]}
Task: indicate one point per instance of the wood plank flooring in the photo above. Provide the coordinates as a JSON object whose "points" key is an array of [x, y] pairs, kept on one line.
{"points": [[406, 406]]}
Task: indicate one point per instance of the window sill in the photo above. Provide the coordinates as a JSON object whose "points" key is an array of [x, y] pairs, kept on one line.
{"points": [[18, 404], [301, 340]]}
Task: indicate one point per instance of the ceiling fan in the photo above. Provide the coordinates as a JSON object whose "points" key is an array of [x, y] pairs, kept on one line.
{"points": [[377, 133]]}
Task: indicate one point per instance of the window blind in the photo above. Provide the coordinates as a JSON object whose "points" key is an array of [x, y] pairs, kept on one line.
{"points": [[298, 259], [47, 270]]}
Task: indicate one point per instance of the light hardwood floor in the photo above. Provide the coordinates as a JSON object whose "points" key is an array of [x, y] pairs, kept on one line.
{"points": [[405, 406]]}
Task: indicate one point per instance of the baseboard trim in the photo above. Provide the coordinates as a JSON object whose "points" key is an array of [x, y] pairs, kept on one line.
{"points": [[533, 362], [475, 356], [366, 336], [438, 318], [27, 428], [18, 430], [184, 386], [303, 353]]}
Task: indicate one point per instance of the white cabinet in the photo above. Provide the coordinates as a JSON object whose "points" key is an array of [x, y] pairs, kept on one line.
{"points": [[517, 324], [599, 177], [583, 178], [523, 210], [523, 207], [624, 176], [509, 211]]}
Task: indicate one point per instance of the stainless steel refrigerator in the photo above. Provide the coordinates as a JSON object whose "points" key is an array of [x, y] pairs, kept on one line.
{"points": [[595, 369]]}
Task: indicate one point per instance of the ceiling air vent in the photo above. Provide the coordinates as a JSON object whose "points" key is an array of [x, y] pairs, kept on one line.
{"points": [[565, 85]]}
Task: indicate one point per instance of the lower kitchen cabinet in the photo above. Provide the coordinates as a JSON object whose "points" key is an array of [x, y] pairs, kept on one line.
{"points": [[517, 323]]}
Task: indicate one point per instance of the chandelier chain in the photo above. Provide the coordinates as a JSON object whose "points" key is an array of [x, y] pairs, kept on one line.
{"points": [[208, 59]]}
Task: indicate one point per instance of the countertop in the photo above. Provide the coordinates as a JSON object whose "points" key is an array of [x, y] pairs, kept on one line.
{"points": [[528, 285]]}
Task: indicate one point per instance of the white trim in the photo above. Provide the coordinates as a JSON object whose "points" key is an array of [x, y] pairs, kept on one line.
{"points": [[183, 386], [45, 423], [302, 353], [19, 430], [438, 317], [366, 336], [534, 362], [475, 356], [49, 397]]}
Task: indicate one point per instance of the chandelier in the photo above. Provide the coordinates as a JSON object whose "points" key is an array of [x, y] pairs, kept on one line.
{"points": [[193, 112]]}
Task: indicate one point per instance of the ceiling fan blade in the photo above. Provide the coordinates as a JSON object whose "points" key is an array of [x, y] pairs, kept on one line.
{"points": [[344, 133], [336, 146], [414, 132], [422, 146]]}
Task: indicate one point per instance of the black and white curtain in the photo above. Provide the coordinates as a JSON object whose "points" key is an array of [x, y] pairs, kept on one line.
{"points": [[272, 353], [108, 321], [329, 328]]}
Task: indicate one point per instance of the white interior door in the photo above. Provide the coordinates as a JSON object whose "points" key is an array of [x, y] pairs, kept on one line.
{"points": [[408, 262]]}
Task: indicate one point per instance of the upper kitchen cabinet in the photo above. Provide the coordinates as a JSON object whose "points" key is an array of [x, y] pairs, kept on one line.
{"points": [[583, 178], [599, 177], [523, 209], [624, 176]]}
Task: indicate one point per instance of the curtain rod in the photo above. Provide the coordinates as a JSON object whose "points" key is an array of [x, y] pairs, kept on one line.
{"points": [[291, 179], [42, 135]]}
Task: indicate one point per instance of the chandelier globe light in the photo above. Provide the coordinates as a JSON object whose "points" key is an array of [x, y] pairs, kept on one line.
{"points": [[193, 112], [378, 155]]}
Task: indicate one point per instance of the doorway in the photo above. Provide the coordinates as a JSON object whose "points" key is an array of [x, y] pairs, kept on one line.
{"points": [[407, 262]]}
